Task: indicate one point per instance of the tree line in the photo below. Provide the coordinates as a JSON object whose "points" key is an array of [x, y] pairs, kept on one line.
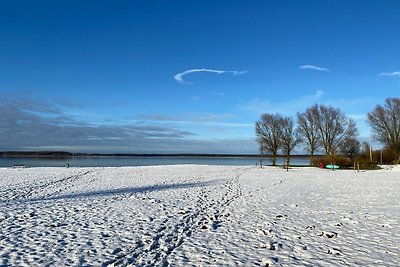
{"points": [[327, 129]]}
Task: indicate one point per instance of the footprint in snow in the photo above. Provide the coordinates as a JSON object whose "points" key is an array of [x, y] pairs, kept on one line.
{"points": [[328, 234], [335, 252], [280, 217], [116, 251], [270, 262], [310, 227]]}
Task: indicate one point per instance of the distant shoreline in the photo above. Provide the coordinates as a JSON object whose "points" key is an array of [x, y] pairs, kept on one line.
{"points": [[63, 154]]}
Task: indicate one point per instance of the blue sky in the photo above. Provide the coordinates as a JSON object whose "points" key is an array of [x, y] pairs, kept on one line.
{"points": [[186, 76]]}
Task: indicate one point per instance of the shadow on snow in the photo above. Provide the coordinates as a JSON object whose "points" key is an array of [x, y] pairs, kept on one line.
{"points": [[129, 190]]}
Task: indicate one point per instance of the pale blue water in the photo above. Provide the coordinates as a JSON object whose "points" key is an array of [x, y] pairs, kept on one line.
{"points": [[138, 161]]}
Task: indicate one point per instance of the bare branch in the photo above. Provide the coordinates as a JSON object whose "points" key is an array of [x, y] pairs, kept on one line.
{"points": [[385, 123]]}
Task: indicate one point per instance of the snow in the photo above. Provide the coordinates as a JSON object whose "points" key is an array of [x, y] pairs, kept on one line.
{"points": [[198, 215]]}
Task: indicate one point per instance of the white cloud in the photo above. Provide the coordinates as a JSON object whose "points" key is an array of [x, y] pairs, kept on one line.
{"points": [[356, 108], [192, 118], [319, 94], [390, 74], [179, 77], [291, 107], [312, 67]]}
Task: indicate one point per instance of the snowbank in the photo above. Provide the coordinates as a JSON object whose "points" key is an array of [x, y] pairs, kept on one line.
{"points": [[192, 215]]}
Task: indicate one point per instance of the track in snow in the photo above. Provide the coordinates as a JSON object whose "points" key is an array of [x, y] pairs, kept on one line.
{"points": [[208, 214]]}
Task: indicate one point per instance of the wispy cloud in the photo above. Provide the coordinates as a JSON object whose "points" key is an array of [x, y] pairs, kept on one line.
{"points": [[390, 74], [31, 124], [312, 67], [218, 126], [27, 124], [290, 107], [355, 108], [192, 118], [218, 93], [179, 77]]}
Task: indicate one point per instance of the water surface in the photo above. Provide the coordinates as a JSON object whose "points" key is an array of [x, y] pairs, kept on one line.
{"points": [[139, 161]]}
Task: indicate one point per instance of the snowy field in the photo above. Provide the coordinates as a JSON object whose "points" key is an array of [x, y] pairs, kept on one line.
{"points": [[193, 215]]}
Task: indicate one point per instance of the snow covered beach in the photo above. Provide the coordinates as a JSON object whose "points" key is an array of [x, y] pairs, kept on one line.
{"points": [[198, 215]]}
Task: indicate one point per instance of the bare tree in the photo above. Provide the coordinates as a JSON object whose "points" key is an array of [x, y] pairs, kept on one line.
{"points": [[385, 123], [268, 130], [289, 137], [261, 149], [308, 131], [366, 150], [351, 148], [333, 126]]}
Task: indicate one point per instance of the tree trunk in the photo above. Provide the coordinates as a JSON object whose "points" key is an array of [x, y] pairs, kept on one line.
{"points": [[274, 159], [311, 157], [287, 162]]}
